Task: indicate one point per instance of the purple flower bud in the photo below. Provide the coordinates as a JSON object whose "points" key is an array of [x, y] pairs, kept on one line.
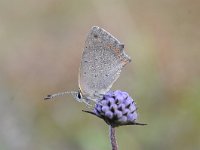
{"points": [[111, 100], [104, 102], [121, 107], [118, 113], [98, 108], [105, 108], [132, 108], [125, 95], [113, 106], [120, 98], [132, 117], [125, 111], [116, 108], [128, 101], [117, 93], [123, 119], [109, 114]]}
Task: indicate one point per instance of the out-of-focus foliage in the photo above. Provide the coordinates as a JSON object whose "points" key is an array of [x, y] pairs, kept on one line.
{"points": [[41, 42]]}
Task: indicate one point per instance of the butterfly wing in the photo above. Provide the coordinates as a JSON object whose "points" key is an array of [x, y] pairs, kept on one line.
{"points": [[102, 60]]}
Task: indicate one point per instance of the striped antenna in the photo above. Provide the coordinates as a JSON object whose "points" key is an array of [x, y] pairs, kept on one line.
{"points": [[58, 94]]}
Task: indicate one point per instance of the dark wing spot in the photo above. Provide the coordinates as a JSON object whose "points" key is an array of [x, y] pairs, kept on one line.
{"points": [[95, 36], [115, 42], [106, 75], [121, 46]]}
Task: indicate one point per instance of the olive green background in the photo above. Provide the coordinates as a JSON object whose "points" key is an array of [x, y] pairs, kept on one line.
{"points": [[41, 42]]}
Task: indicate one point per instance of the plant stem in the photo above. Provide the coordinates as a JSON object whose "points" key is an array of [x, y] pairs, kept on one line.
{"points": [[112, 138]]}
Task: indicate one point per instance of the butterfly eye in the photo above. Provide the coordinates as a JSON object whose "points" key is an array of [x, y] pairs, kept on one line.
{"points": [[79, 95]]}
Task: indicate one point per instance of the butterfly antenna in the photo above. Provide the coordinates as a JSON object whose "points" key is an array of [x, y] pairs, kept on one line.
{"points": [[58, 94]]}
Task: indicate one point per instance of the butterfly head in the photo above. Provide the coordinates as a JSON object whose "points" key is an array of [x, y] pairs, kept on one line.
{"points": [[77, 95]]}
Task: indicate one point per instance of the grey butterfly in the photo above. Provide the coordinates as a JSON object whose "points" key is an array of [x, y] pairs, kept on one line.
{"points": [[102, 61]]}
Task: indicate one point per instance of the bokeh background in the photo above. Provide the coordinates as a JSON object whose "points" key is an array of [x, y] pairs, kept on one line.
{"points": [[41, 42]]}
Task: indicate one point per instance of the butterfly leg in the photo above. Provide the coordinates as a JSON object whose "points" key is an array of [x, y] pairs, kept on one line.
{"points": [[98, 95], [87, 102]]}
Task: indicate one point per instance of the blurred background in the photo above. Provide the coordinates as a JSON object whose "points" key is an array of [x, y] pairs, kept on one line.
{"points": [[40, 48]]}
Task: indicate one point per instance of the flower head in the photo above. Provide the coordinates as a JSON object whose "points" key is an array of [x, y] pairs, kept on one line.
{"points": [[117, 108]]}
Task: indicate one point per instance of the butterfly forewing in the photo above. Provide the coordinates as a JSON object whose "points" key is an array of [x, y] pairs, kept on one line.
{"points": [[102, 60]]}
